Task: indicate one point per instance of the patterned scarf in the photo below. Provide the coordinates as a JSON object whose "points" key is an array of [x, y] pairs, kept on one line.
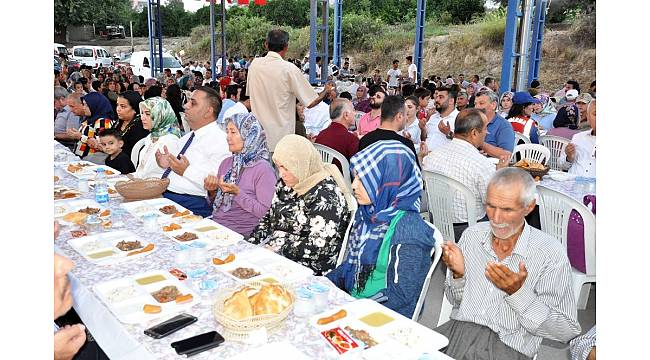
{"points": [[162, 116], [547, 105], [255, 149], [388, 171]]}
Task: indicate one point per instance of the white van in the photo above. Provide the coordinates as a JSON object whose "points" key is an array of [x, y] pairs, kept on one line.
{"points": [[141, 64], [95, 56], [60, 49]]}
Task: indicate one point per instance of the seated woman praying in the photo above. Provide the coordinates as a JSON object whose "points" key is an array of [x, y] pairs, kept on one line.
{"points": [[389, 246], [309, 212], [242, 191]]}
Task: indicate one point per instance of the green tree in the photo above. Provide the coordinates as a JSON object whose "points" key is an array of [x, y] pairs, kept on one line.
{"points": [[294, 13], [87, 12]]}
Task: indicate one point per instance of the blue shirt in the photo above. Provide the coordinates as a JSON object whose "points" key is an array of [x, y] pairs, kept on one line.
{"points": [[546, 121], [226, 105], [500, 133]]}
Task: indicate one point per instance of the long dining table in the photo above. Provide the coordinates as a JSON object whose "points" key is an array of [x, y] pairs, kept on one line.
{"points": [[121, 340]]}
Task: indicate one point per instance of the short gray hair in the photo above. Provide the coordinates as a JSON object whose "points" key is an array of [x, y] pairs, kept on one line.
{"points": [[60, 92], [338, 106], [509, 176], [494, 97]]}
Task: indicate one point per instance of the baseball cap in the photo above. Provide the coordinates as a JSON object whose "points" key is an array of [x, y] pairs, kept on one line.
{"points": [[584, 98], [523, 97], [571, 94]]}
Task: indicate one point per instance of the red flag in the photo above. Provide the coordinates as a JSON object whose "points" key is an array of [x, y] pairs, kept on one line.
{"points": [[243, 2], [260, 2]]}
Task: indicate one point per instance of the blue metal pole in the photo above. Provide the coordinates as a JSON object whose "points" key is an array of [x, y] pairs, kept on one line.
{"points": [[338, 14], [325, 39], [313, 36], [223, 38], [151, 40], [213, 43], [420, 20], [160, 36], [509, 43], [535, 58]]}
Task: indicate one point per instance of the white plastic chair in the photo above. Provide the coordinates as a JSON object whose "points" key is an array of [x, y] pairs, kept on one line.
{"points": [[135, 152], [554, 211], [534, 152], [556, 145], [436, 252], [521, 137], [441, 191], [328, 154]]}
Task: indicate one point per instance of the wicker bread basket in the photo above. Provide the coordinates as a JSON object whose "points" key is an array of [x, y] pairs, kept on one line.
{"points": [[141, 189], [536, 172], [240, 330]]}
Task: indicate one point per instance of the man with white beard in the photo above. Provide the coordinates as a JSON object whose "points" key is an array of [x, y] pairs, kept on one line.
{"points": [[509, 283]]}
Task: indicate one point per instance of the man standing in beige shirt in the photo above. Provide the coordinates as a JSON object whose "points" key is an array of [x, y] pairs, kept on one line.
{"points": [[274, 85]]}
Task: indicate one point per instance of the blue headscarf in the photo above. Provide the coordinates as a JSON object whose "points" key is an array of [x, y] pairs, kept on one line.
{"points": [[99, 106], [255, 149], [389, 173]]}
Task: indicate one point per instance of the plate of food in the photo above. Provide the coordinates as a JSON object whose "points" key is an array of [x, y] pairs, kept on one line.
{"points": [[204, 230], [111, 247], [370, 324], [76, 211], [87, 170], [165, 209], [147, 296], [239, 269], [65, 193]]}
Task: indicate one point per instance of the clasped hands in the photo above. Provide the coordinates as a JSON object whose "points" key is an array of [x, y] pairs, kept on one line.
{"points": [[211, 183], [499, 274], [166, 160]]}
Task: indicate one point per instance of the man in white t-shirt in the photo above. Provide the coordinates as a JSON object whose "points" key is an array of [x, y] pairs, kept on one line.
{"points": [[412, 69], [440, 126], [580, 154], [393, 74]]}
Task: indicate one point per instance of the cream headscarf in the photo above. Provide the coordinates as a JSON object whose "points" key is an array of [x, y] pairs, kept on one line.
{"points": [[301, 158]]}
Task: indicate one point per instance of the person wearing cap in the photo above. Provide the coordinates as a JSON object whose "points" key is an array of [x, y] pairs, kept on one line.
{"points": [[568, 115], [582, 102], [569, 85], [462, 100], [520, 113]]}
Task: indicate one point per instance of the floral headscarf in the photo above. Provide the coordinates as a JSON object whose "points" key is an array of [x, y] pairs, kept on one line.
{"points": [[547, 105], [255, 149], [508, 94], [162, 116]]}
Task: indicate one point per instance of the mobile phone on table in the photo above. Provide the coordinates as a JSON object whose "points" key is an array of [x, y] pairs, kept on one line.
{"points": [[198, 343], [170, 326]]}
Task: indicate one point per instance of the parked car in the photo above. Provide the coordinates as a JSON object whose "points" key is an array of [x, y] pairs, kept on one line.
{"points": [[115, 31], [61, 50], [141, 64], [94, 56]]}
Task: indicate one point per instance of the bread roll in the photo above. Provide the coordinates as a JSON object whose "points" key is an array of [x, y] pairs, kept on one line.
{"points": [[75, 217], [237, 305], [271, 299]]}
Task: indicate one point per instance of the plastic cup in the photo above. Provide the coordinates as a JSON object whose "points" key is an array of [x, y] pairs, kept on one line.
{"points": [[82, 185]]}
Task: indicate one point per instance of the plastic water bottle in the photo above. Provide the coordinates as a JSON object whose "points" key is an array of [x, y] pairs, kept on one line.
{"points": [[101, 186]]}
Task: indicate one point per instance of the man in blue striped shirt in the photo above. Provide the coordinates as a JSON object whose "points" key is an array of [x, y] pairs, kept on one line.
{"points": [[509, 283]]}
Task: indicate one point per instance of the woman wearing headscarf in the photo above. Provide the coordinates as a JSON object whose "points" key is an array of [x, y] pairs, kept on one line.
{"points": [[389, 245], [505, 103], [242, 191], [361, 102], [130, 124], [309, 212], [98, 114], [157, 117], [545, 112]]}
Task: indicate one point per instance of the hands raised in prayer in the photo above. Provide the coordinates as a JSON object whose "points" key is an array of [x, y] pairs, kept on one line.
{"points": [[505, 279], [211, 183]]}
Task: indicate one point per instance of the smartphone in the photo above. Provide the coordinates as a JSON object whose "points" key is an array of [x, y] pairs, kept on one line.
{"points": [[170, 326], [198, 343]]}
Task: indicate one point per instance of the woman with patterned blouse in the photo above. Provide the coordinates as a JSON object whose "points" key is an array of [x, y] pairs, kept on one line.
{"points": [[389, 245], [309, 212]]}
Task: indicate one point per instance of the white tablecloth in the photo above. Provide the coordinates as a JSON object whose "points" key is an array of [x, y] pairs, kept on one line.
{"points": [[125, 341]]}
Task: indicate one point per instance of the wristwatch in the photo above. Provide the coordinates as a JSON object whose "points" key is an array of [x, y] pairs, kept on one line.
{"points": [[450, 136]]}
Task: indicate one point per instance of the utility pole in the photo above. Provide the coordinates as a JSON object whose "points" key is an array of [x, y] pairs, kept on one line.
{"points": [[131, 26]]}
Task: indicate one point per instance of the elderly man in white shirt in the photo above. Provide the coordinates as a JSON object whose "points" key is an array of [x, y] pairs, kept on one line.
{"points": [[510, 284], [202, 151], [461, 160], [441, 124], [580, 154]]}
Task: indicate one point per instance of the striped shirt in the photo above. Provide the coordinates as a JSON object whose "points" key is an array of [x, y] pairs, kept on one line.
{"points": [[544, 307], [462, 162], [581, 346]]}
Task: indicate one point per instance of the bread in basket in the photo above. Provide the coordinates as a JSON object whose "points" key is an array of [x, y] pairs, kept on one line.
{"points": [[251, 307], [142, 189], [534, 168]]}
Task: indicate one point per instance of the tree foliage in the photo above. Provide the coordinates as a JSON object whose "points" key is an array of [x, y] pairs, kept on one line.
{"points": [[86, 12], [294, 13]]}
